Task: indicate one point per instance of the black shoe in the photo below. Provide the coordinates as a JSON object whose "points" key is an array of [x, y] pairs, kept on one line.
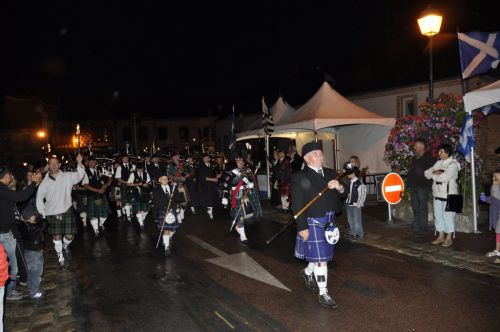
{"points": [[309, 280], [244, 241], [168, 252], [327, 301]]}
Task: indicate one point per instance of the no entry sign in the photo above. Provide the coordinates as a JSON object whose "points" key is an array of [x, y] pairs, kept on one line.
{"points": [[393, 188]]}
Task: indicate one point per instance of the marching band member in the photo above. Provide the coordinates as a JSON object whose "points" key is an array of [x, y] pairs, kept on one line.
{"points": [[311, 244], [245, 204], [154, 168], [180, 173], [97, 201], [167, 196], [139, 182], [122, 174], [207, 185]]}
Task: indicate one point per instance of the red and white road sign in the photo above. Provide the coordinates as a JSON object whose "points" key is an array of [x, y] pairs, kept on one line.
{"points": [[393, 188]]}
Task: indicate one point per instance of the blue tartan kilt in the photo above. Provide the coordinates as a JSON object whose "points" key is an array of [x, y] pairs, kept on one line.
{"points": [[255, 208], [163, 226], [315, 249]]}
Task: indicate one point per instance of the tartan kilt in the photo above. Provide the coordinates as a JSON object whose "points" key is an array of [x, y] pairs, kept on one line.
{"points": [[255, 207], [138, 205], [125, 196], [97, 211], [315, 249], [64, 226], [164, 226]]}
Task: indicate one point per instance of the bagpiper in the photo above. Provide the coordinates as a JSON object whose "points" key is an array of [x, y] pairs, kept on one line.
{"points": [[96, 185], [122, 174], [166, 208], [139, 183], [245, 204], [180, 172]]}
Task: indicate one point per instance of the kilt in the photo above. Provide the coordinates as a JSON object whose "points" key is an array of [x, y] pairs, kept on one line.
{"points": [[315, 249], [125, 196], [97, 211], [64, 226], [138, 205], [166, 227], [255, 207]]}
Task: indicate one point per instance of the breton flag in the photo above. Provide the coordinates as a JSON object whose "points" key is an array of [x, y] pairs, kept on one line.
{"points": [[267, 119], [232, 139], [479, 52], [466, 142]]}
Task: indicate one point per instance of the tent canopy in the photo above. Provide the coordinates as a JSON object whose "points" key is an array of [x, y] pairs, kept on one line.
{"points": [[327, 108], [484, 96]]}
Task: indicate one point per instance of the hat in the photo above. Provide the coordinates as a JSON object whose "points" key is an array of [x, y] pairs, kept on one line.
{"points": [[139, 165], [311, 146], [89, 158], [162, 174], [4, 170]]}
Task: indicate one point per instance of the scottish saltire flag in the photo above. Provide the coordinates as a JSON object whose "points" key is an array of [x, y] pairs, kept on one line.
{"points": [[479, 52], [490, 109], [466, 142], [267, 119], [232, 139]]}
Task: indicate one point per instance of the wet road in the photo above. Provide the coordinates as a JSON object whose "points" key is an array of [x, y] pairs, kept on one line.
{"points": [[127, 284]]}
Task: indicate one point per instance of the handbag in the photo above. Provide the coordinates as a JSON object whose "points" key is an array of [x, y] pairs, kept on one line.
{"points": [[454, 202]]}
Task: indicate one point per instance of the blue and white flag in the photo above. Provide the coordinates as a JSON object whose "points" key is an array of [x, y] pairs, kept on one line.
{"points": [[267, 119], [479, 52], [466, 142], [490, 109]]}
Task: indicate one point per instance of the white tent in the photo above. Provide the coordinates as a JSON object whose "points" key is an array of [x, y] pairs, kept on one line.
{"points": [[484, 96], [280, 111], [357, 130]]}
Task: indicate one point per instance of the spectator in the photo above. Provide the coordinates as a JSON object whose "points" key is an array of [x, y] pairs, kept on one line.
{"points": [[355, 201], [494, 201], [444, 174], [296, 160], [8, 200], [420, 187], [283, 175], [4, 276]]}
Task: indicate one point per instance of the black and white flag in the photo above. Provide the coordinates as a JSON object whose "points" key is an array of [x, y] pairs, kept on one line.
{"points": [[267, 119]]}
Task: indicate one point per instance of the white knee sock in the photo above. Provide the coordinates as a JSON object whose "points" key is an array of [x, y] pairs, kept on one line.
{"points": [[180, 216], [83, 215], [193, 210], [66, 243], [209, 210], [102, 221], [95, 224], [58, 247], [119, 213], [166, 241], [321, 275], [139, 218], [284, 202], [241, 231], [309, 269], [144, 215], [128, 209], [171, 234]]}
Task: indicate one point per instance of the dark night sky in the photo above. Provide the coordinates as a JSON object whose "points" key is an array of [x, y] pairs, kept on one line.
{"points": [[190, 57]]}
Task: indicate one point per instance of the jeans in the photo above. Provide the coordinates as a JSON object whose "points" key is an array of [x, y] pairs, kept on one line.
{"points": [[419, 201], [9, 243], [355, 220], [34, 260], [443, 221]]}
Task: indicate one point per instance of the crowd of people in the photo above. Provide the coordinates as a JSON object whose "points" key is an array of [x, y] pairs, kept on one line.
{"points": [[89, 190]]}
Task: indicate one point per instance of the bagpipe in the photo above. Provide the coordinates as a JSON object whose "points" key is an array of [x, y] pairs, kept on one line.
{"points": [[246, 208]]}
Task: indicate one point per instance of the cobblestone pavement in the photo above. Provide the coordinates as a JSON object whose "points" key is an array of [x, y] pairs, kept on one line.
{"points": [[52, 312]]}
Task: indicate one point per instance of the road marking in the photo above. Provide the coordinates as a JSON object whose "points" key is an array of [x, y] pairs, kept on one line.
{"points": [[241, 263], [390, 189], [391, 258], [224, 319]]}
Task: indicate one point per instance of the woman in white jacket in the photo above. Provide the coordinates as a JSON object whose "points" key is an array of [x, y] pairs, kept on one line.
{"points": [[444, 174]]}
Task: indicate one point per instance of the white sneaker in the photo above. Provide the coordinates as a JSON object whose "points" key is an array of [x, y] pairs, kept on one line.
{"points": [[493, 253], [37, 295]]}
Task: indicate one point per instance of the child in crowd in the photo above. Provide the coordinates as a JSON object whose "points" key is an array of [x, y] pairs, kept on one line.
{"points": [[32, 228], [494, 201], [355, 201]]}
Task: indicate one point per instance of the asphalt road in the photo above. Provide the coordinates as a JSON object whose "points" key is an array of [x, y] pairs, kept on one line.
{"points": [[214, 283]]}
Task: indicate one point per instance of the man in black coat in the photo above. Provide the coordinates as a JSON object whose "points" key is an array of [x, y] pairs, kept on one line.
{"points": [[207, 185], [420, 187], [311, 243]]}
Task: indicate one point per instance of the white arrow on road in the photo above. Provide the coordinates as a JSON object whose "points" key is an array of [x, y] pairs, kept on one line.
{"points": [[240, 263]]}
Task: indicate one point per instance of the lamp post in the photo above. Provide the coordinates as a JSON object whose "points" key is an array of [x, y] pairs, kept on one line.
{"points": [[430, 24]]}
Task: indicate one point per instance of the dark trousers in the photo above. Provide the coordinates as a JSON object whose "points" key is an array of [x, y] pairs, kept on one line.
{"points": [[419, 201], [22, 269]]}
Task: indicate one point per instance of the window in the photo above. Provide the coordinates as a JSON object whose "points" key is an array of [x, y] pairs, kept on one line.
{"points": [[162, 133], [407, 105], [126, 134], [183, 132], [142, 134]]}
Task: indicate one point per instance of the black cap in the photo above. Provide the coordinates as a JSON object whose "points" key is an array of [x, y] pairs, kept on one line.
{"points": [[311, 146], [162, 174], [89, 158]]}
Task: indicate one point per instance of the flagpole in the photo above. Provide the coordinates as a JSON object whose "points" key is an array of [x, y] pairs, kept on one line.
{"points": [[268, 168], [473, 178]]}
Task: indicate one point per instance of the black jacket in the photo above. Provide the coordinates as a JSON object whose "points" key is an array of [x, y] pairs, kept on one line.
{"points": [[416, 178], [160, 200], [306, 184], [8, 200], [33, 234], [207, 190]]}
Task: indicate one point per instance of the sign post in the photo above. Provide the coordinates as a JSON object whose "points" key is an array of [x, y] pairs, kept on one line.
{"points": [[393, 188]]}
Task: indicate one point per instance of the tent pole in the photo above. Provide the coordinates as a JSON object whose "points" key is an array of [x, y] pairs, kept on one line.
{"points": [[474, 199], [268, 155]]}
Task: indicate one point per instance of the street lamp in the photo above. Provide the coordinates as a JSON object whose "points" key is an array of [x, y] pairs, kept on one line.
{"points": [[41, 134], [430, 24]]}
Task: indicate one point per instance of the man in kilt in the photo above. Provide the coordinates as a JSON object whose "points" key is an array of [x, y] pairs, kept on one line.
{"points": [[245, 204], [311, 244], [139, 184], [122, 175], [80, 202], [53, 201], [181, 173], [166, 209], [97, 201]]}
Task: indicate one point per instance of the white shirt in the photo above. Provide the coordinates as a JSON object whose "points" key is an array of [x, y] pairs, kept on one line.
{"points": [[145, 178], [57, 193], [166, 189], [118, 173], [86, 178]]}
